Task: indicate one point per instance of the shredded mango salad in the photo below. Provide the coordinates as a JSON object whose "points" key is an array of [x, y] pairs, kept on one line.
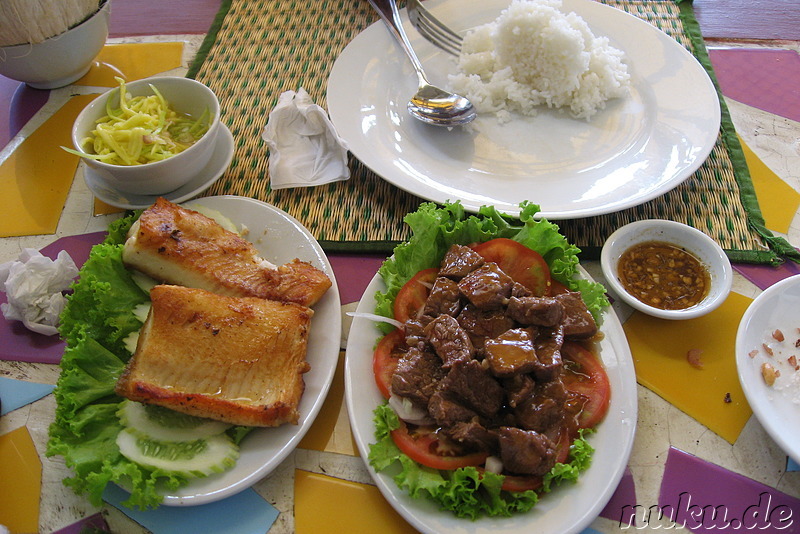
{"points": [[142, 129]]}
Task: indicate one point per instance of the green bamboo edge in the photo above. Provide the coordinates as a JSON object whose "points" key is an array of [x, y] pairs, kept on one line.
{"points": [[210, 39], [780, 249]]}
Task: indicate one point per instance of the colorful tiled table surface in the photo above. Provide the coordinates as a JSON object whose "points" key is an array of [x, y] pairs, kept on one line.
{"points": [[686, 437]]}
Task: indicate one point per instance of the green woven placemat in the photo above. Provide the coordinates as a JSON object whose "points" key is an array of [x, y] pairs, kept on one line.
{"points": [[259, 48]]}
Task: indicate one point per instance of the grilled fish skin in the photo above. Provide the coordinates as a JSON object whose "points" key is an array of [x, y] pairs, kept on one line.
{"points": [[235, 359], [179, 246]]}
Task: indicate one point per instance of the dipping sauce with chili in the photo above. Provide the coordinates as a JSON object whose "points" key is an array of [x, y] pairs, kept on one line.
{"points": [[663, 275]]}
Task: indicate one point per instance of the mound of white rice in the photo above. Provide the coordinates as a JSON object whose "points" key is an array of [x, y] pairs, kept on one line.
{"points": [[535, 55]]}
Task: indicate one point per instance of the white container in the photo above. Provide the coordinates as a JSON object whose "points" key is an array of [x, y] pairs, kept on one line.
{"points": [[682, 236], [59, 60], [184, 96]]}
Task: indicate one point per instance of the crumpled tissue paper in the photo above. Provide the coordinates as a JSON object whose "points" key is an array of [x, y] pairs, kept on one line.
{"points": [[33, 285], [305, 149]]}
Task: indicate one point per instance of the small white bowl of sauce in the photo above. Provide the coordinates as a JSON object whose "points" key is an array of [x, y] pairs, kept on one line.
{"points": [[666, 269]]}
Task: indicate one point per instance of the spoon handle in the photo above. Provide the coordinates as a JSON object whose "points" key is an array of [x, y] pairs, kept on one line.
{"points": [[387, 9]]}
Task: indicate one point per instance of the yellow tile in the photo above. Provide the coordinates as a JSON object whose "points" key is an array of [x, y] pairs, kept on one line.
{"points": [[132, 61], [777, 199], [20, 482], [35, 179], [327, 504], [331, 429], [659, 349], [101, 208]]}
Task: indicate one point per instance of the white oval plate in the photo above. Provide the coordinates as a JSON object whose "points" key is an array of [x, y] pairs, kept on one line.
{"points": [[220, 160], [778, 407], [569, 508], [279, 238], [636, 149]]}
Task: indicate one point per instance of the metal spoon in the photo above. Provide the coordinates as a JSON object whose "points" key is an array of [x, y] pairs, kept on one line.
{"points": [[430, 104]]}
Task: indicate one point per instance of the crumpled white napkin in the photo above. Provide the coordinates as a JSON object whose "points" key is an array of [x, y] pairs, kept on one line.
{"points": [[34, 285], [305, 149]]}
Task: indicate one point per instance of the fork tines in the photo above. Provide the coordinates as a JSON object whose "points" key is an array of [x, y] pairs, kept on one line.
{"points": [[433, 29]]}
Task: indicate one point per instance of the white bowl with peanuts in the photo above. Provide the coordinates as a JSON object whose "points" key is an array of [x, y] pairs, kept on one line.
{"points": [[768, 362]]}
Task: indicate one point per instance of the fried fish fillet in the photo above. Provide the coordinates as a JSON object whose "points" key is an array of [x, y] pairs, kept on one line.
{"points": [[235, 359], [180, 246]]}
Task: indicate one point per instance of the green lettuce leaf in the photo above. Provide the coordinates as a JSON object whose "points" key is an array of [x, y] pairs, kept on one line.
{"points": [[434, 228], [97, 318], [465, 491]]}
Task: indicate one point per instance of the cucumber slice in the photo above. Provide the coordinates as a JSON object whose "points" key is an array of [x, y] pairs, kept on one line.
{"points": [[140, 311], [192, 459], [144, 282], [131, 341], [163, 424]]}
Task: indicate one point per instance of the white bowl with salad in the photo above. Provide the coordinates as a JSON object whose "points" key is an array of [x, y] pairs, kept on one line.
{"points": [[150, 136]]}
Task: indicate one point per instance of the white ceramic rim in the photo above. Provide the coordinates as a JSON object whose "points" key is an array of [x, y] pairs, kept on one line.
{"points": [[635, 150], [779, 416]]}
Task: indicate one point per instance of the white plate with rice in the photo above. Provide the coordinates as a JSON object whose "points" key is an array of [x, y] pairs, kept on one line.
{"points": [[638, 147]]}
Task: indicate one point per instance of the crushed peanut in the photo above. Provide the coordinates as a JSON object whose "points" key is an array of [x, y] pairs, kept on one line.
{"points": [[769, 373], [693, 357]]}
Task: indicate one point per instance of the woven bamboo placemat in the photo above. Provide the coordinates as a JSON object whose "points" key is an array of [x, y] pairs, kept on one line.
{"points": [[259, 48]]}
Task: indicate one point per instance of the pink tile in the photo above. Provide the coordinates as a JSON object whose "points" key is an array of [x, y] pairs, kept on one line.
{"points": [[706, 498], [767, 79]]}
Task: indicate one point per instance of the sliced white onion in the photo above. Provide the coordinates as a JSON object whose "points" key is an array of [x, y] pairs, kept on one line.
{"points": [[377, 318], [494, 464], [408, 412]]}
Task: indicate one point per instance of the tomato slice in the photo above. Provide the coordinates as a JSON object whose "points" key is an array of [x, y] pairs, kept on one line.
{"points": [[586, 380], [385, 359], [412, 296], [521, 483], [524, 265], [424, 447], [557, 288]]}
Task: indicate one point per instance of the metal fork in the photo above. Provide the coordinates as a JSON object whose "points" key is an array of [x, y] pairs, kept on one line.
{"points": [[433, 29]]}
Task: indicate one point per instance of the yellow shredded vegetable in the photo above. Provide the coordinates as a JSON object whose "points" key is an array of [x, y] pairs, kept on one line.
{"points": [[143, 129]]}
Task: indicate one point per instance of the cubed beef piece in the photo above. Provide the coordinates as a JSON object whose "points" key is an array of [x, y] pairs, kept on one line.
{"points": [[578, 321], [518, 290], [482, 324], [543, 411], [540, 311], [518, 388], [512, 352], [487, 287], [414, 330], [444, 298], [449, 340], [472, 436], [417, 375], [526, 452], [447, 412], [469, 384], [548, 351], [459, 261]]}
